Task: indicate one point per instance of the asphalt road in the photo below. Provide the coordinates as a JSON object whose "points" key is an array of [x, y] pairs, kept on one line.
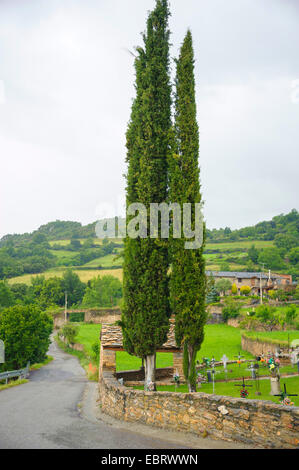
{"points": [[55, 410]]}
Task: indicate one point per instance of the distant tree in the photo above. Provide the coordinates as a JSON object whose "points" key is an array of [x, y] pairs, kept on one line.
{"points": [[74, 287], [7, 298], [294, 255], [291, 313], [88, 243], [51, 293], [23, 294], [223, 286], [253, 254], [103, 291], [212, 294], [234, 289], [25, 331], [271, 258], [287, 241], [75, 245]]}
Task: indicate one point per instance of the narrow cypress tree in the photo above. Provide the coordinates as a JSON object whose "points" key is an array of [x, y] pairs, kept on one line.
{"points": [[188, 280], [145, 318]]}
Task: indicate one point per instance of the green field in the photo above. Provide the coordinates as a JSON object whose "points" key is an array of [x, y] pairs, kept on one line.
{"points": [[213, 260], [88, 335], [107, 261], [83, 275], [219, 339], [239, 245]]}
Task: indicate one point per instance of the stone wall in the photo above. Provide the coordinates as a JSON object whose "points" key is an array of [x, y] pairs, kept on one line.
{"points": [[254, 422], [108, 315], [138, 375], [214, 314], [257, 347]]}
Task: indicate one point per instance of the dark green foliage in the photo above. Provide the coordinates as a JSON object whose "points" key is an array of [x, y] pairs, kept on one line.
{"points": [[271, 258], [25, 331], [103, 291], [96, 350], [188, 279], [69, 332], [211, 292], [7, 297], [253, 254], [231, 308], [75, 288], [145, 313], [77, 317]]}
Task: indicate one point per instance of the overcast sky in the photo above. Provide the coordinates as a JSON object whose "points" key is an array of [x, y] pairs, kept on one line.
{"points": [[66, 87]]}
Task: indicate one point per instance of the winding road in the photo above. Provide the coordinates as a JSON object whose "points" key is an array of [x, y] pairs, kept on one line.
{"points": [[57, 409]]}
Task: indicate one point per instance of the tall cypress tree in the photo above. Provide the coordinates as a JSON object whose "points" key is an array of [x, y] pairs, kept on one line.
{"points": [[188, 280], [145, 318]]}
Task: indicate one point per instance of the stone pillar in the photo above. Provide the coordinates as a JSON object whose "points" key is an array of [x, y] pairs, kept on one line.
{"points": [[107, 360], [178, 364], [275, 386]]}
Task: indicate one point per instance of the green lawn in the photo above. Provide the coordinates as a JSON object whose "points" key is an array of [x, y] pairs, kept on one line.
{"points": [[276, 335], [229, 389], [222, 339], [88, 335], [219, 339]]}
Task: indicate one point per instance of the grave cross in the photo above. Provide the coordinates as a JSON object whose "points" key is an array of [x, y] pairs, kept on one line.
{"points": [[224, 360], [239, 358], [283, 395], [244, 392]]}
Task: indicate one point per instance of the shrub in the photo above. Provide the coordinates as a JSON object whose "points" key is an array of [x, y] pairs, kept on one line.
{"points": [[231, 309], [234, 289], [69, 332], [245, 290], [290, 314], [25, 331], [96, 350]]}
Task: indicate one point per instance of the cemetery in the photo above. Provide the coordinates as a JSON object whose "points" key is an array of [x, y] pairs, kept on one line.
{"points": [[239, 398]]}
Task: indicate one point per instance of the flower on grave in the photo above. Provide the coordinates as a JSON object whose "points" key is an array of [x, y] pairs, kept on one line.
{"points": [[200, 378], [244, 393], [239, 362], [277, 361], [287, 402], [176, 377], [262, 359]]}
